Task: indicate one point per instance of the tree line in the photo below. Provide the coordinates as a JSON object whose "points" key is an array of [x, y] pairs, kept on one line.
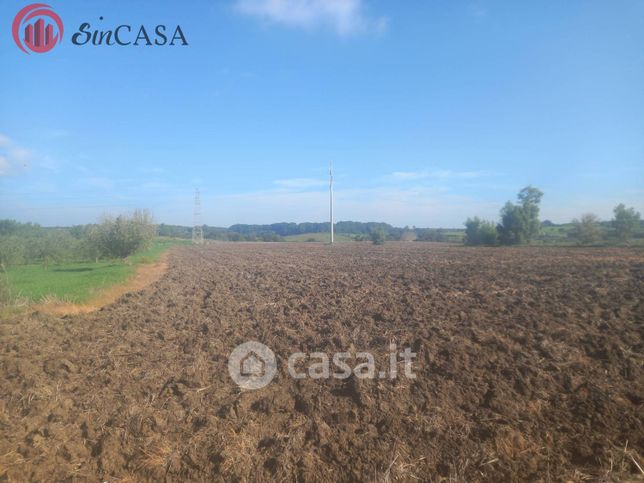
{"points": [[121, 236], [520, 224], [277, 231], [111, 238], [360, 231]]}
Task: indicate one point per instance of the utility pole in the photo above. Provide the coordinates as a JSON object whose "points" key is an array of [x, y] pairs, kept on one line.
{"points": [[331, 199], [197, 227]]}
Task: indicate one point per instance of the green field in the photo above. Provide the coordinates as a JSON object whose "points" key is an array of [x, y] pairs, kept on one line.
{"points": [[318, 237], [454, 236], [78, 282]]}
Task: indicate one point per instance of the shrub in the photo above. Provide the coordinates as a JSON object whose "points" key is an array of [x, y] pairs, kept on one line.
{"points": [[122, 236], [480, 232], [586, 230], [378, 236]]}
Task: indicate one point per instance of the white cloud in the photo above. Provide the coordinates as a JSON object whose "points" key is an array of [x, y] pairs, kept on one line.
{"points": [[20, 155], [345, 17], [12, 156]]}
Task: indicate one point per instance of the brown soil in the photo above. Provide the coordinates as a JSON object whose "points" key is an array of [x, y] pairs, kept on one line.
{"points": [[529, 368], [146, 274]]}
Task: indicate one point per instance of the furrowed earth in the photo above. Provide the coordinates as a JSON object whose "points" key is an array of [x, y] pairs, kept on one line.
{"points": [[528, 368]]}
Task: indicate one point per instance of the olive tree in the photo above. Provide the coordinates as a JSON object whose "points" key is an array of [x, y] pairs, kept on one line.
{"points": [[12, 251]]}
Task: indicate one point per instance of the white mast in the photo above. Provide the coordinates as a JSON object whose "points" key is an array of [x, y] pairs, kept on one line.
{"points": [[197, 226], [331, 198]]}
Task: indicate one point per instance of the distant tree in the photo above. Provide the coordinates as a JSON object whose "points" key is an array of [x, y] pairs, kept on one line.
{"points": [[232, 236], [270, 236], [408, 235], [176, 231], [586, 230], [431, 234], [480, 232], [530, 198], [8, 227], [254, 232], [512, 229], [79, 231], [520, 222], [378, 235], [625, 222], [213, 233], [12, 227], [12, 251]]}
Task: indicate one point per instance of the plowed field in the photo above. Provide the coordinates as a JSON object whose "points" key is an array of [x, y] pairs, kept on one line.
{"points": [[529, 367]]}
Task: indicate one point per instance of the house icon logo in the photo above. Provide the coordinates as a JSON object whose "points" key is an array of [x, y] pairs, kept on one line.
{"points": [[252, 365]]}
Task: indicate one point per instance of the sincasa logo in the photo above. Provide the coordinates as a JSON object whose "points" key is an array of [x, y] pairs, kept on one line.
{"points": [[127, 35], [38, 28]]}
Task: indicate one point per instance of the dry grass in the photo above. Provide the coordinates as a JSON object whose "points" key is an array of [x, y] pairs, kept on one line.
{"points": [[402, 468], [10, 303], [8, 461], [156, 457], [623, 461]]}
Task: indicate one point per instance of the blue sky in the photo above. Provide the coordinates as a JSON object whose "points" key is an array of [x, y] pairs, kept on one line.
{"points": [[431, 111]]}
